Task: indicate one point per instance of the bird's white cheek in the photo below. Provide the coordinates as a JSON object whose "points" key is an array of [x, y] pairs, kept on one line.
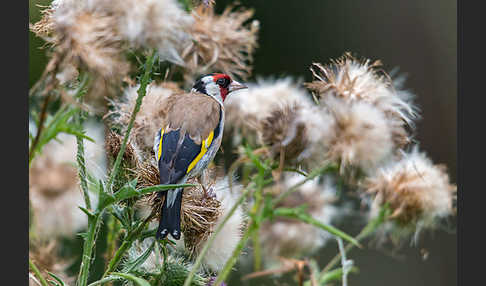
{"points": [[213, 89]]}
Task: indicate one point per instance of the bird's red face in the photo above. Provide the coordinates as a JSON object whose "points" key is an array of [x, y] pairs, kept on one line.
{"points": [[217, 85], [223, 81], [226, 85]]}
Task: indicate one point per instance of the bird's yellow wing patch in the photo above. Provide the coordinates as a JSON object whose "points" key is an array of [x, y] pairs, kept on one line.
{"points": [[159, 152], [204, 148]]}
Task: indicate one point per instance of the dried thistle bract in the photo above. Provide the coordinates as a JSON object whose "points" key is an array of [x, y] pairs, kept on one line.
{"points": [[221, 42], [417, 192], [353, 80]]}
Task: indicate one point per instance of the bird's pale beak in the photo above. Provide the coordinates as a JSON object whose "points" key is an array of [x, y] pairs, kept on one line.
{"points": [[234, 85]]}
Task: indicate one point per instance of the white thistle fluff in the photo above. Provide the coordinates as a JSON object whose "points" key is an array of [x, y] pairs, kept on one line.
{"points": [[262, 97], [161, 24], [419, 193], [226, 241], [362, 135], [361, 81], [246, 109], [356, 80], [319, 124], [389, 97]]}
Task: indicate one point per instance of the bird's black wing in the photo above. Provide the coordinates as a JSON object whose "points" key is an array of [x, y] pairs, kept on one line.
{"points": [[173, 155]]}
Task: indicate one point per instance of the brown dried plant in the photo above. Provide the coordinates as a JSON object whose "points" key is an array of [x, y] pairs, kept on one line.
{"points": [[221, 43]]}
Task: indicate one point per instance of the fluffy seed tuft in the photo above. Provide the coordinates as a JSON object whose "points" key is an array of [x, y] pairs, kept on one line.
{"points": [[161, 24], [246, 110], [221, 42], [362, 137], [353, 80], [417, 192]]}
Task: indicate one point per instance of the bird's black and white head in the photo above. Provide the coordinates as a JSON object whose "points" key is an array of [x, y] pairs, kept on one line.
{"points": [[217, 85]]}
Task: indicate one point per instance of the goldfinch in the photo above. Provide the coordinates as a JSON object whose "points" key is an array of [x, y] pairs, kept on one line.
{"points": [[189, 141]]}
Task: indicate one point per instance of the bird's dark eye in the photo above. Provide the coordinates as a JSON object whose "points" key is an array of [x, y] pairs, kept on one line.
{"points": [[224, 82]]}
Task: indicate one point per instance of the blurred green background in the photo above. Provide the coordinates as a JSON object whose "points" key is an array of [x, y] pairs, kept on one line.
{"points": [[417, 36]]}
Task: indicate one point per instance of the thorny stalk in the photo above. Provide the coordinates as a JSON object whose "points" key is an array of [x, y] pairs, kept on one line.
{"points": [[126, 244], [142, 91], [37, 273], [234, 256], [255, 212], [111, 237], [257, 252], [94, 222], [79, 118]]}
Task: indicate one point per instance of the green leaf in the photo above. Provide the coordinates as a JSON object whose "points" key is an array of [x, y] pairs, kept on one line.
{"points": [[258, 163], [121, 213], [136, 280], [87, 212], [61, 283], [94, 185], [60, 122], [131, 265], [104, 200], [300, 214], [127, 191], [267, 207], [147, 233], [105, 280], [131, 193], [382, 216], [83, 235]]}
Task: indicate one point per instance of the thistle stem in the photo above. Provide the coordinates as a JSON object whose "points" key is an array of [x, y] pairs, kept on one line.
{"points": [[111, 237], [37, 273], [93, 227], [126, 244], [255, 212], [234, 256], [82, 171], [257, 253], [142, 91], [80, 144]]}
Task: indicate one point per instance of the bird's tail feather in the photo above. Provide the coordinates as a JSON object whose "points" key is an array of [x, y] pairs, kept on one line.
{"points": [[170, 220]]}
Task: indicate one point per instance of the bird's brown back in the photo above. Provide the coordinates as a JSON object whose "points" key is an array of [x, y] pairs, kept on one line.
{"points": [[195, 113]]}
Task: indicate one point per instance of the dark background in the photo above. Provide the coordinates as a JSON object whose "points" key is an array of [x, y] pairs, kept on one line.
{"points": [[417, 36]]}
